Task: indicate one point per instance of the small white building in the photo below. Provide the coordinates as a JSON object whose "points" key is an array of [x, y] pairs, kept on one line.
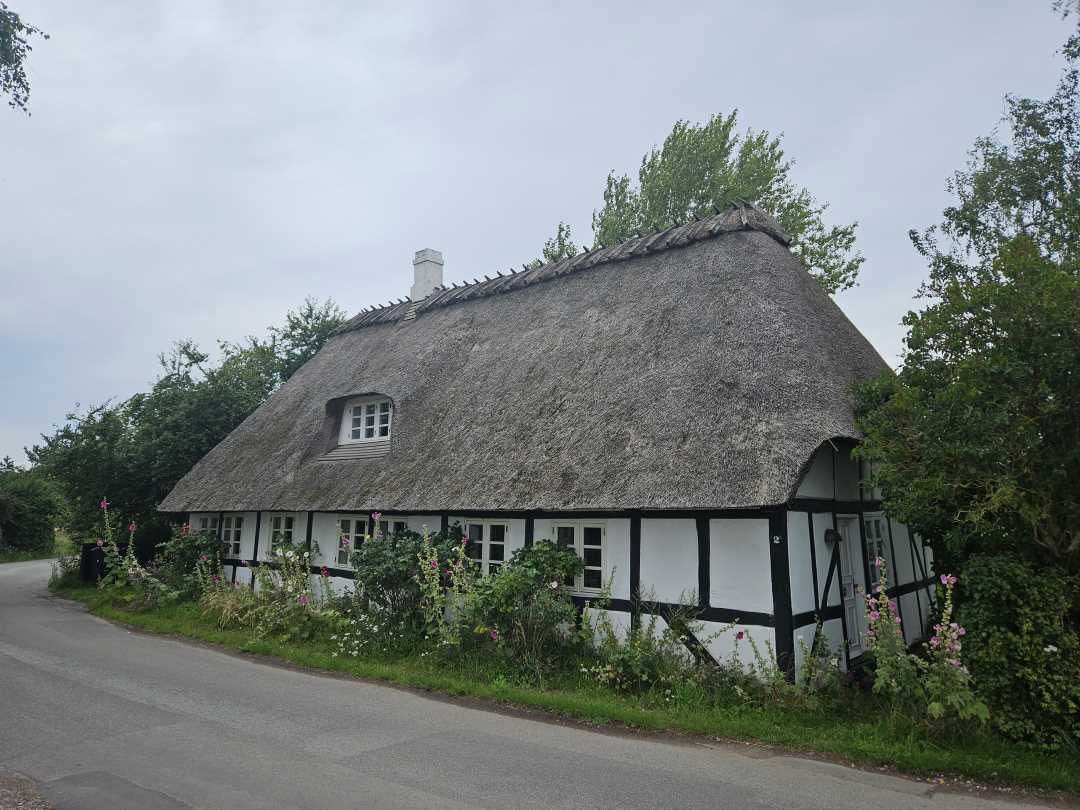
{"points": [[677, 408]]}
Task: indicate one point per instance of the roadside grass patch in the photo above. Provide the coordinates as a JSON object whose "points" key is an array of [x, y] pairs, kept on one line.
{"points": [[846, 728], [61, 545]]}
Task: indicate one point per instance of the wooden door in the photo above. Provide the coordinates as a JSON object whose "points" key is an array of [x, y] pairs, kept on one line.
{"points": [[851, 567]]}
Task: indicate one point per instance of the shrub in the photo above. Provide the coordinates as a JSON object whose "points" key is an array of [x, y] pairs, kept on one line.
{"points": [[29, 510], [646, 659], [935, 690], [386, 572], [1024, 647], [177, 560], [524, 611]]}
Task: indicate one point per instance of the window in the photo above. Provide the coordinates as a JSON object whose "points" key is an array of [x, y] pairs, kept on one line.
{"points": [[400, 526], [352, 534], [366, 420], [208, 524], [487, 544], [281, 530], [877, 545], [587, 541], [232, 526]]}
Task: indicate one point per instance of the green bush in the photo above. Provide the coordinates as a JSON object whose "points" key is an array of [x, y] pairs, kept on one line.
{"points": [[525, 611], [386, 572], [1023, 647], [176, 558], [29, 511]]}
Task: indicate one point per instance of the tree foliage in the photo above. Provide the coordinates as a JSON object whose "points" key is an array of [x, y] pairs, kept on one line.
{"points": [[702, 168], [977, 438], [136, 450], [15, 48], [30, 508]]}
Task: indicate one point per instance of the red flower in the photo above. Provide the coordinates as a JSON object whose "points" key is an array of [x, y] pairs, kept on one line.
{"points": [[325, 571], [739, 636], [104, 504], [132, 527]]}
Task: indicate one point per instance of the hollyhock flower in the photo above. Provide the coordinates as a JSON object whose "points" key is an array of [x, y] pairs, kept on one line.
{"points": [[203, 557], [961, 632], [494, 635], [185, 529], [874, 615], [303, 599], [325, 571], [215, 578], [344, 539], [376, 515], [553, 584], [101, 542], [132, 527], [104, 504], [935, 642], [739, 635], [434, 565]]}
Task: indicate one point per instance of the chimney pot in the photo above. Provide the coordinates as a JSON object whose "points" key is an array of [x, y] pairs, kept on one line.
{"points": [[427, 273]]}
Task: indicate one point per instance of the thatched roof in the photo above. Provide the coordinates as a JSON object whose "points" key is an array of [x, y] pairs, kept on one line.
{"points": [[695, 368]]}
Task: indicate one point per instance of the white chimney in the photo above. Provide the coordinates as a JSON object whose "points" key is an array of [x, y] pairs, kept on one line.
{"points": [[427, 273]]}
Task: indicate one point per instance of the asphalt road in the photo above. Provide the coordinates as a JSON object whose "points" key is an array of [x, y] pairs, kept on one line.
{"points": [[105, 718]]}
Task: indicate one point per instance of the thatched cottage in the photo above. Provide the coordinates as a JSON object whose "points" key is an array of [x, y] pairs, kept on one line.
{"points": [[676, 408]]}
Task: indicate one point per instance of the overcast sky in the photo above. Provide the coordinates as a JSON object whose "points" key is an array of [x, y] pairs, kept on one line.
{"points": [[195, 169]]}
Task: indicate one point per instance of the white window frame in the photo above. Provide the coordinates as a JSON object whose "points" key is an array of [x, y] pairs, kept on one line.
{"points": [[380, 412], [208, 523], [231, 532], [579, 528], [484, 563], [282, 526], [876, 544], [357, 533]]}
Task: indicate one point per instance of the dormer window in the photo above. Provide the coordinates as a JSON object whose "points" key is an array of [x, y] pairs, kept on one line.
{"points": [[366, 419]]}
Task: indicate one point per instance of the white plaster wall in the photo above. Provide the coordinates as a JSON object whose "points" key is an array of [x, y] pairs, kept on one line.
{"points": [[739, 574], [299, 531], [818, 481], [619, 621], [823, 521], [721, 641], [903, 570], [834, 638], [800, 565], [669, 560]]}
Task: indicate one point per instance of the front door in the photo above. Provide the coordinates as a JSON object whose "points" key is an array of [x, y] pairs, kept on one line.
{"points": [[851, 566]]}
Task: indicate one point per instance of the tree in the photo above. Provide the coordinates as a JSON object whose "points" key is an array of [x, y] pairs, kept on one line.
{"points": [[560, 246], [304, 333], [29, 509], [134, 452], [702, 168], [976, 440], [15, 47]]}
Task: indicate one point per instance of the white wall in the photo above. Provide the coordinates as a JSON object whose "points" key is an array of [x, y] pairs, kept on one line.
{"points": [[721, 641], [823, 521], [833, 630], [818, 480], [740, 577], [800, 567], [669, 560]]}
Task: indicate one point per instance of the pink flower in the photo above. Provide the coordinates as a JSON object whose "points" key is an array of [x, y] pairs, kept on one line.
{"points": [[494, 635], [874, 615], [132, 527], [104, 504], [101, 542], [303, 599], [435, 565], [344, 539], [948, 580], [961, 632], [203, 557], [376, 515], [185, 528], [935, 642], [325, 571], [739, 636], [215, 578], [243, 563]]}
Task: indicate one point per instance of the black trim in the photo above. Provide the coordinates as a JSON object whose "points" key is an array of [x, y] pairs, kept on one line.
{"points": [[811, 617], [255, 550], [708, 614], [635, 569], [813, 557], [703, 559], [307, 538], [569, 514], [781, 592], [444, 521], [918, 601], [826, 505], [530, 529], [220, 525]]}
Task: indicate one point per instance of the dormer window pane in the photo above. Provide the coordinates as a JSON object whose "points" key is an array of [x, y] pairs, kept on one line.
{"points": [[366, 419]]}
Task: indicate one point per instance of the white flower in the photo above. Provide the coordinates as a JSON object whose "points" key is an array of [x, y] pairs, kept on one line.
{"points": [[1050, 648], [553, 584]]}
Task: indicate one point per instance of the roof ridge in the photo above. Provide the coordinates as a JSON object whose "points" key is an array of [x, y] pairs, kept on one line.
{"points": [[740, 215]]}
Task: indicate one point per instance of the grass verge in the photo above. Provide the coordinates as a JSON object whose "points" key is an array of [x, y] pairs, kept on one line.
{"points": [[860, 737], [61, 545]]}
